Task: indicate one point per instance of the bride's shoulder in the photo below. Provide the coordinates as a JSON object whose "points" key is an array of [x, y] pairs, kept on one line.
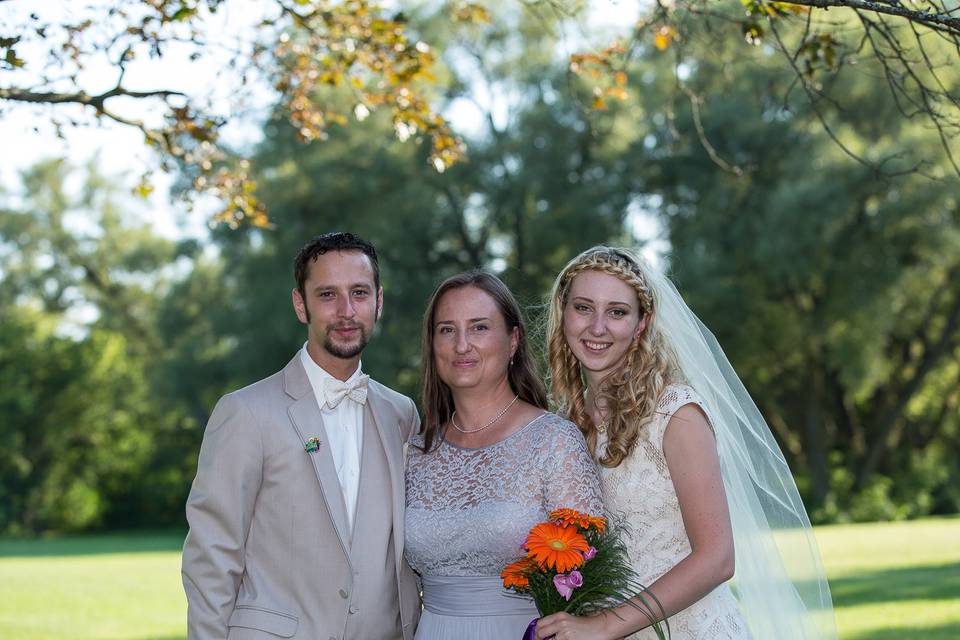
{"points": [[676, 395]]}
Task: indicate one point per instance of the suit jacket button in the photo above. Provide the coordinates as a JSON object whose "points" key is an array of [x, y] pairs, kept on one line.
{"points": [[344, 594], [354, 608]]}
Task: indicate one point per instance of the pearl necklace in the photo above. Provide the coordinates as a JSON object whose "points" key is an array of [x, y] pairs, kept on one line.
{"points": [[453, 419]]}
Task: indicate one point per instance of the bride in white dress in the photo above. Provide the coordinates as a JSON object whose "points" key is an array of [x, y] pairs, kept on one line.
{"points": [[715, 526]]}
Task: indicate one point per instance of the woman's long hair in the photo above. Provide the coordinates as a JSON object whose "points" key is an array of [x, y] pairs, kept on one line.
{"points": [[630, 392], [436, 398]]}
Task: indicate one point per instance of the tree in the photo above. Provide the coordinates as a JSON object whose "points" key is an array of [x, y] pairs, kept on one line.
{"points": [[91, 437], [60, 264], [294, 48], [824, 44], [833, 291], [767, 257], [73, 431], [300, 46], [534, 192]]}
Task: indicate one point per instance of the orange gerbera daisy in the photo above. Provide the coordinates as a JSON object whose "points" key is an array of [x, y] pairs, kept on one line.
{"points": [[555, 546], [599, 523], [517, 574], [582, 520]]}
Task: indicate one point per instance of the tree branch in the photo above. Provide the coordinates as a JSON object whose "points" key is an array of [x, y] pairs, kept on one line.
{"points": [[18, 94], [927, 95], [457, 205], [947, 411], [933, 20], [695, 102], [812, 97]]}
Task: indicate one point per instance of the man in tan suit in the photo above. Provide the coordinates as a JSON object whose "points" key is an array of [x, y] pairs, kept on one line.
{"points": [[296, 512]]}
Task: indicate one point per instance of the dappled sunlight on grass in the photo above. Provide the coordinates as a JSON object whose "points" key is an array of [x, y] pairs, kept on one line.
{"points": [[895, 580], [928, 584], [915, 619], [855, 547]]}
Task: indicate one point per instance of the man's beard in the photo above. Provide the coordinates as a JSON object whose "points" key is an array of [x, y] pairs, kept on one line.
{"points": [[345, 351]]}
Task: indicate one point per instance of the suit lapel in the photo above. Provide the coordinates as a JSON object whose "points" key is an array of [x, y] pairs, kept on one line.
{"points": [[392, 448], [307, 422]]}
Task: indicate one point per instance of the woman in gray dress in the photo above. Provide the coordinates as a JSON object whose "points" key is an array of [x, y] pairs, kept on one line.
{"points": [[490, 462]]}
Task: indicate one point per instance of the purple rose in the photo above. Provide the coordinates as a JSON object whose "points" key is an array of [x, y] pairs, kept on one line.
{"points": [[566, 583], [564, 589], [591, 552]]}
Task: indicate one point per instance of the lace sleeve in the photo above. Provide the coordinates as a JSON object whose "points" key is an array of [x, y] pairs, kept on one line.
{"points": [[569, 475], [672, 399]]}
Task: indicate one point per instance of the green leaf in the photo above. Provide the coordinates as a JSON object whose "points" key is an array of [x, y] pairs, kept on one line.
{"points": [[184, 13], [12, 59]]}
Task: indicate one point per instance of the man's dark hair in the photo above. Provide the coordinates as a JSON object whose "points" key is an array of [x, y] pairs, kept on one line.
{"points": [[335, 241]]}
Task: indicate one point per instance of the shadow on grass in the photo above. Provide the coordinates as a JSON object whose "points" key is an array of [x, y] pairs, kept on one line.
{"points": [[939, 582], [948, 631], [84, 545]]}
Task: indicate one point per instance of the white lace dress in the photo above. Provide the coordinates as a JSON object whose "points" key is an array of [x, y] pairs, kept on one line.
{"points": [[641, 489], [468, 512]]}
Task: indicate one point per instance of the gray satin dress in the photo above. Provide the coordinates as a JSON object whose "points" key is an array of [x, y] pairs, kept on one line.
{"points": [[469, 510]]}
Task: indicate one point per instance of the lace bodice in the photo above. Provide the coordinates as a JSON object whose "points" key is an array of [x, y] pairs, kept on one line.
{"points": [[469, 510], [641, 490]]}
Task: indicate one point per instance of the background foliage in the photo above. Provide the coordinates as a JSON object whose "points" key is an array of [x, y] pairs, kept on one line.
{"points": [[832, 286]]}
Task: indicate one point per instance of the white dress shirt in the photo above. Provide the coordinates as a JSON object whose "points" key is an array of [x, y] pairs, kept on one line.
{"points": [[344, 428]]}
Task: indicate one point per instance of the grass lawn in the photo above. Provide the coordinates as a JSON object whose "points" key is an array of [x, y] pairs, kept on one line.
{"points": [[897, 580], [108, 587]]}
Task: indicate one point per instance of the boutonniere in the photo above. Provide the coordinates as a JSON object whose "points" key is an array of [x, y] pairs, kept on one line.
{"points": [[312, 444]]}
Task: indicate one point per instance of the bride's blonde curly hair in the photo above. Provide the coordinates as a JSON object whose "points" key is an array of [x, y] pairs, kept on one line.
{"points": [[630, 392]]}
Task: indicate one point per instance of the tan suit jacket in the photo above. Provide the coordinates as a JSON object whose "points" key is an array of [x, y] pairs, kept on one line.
{"points": [[269, 548]]}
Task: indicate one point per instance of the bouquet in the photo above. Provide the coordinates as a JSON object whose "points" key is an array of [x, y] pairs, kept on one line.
{"points": [[574, 563]]}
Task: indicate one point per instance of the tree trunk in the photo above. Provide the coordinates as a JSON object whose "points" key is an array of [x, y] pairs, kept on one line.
{"points": [[814, 436]]}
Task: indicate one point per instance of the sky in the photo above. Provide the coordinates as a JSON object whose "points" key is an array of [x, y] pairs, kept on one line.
{"points": [[26, 135]]}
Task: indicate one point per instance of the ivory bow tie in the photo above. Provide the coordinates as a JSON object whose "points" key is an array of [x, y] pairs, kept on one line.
{"points": [[335, 391]]}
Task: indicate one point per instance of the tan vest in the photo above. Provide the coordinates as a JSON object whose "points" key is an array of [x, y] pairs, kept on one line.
{"points": [[375, 576]]}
